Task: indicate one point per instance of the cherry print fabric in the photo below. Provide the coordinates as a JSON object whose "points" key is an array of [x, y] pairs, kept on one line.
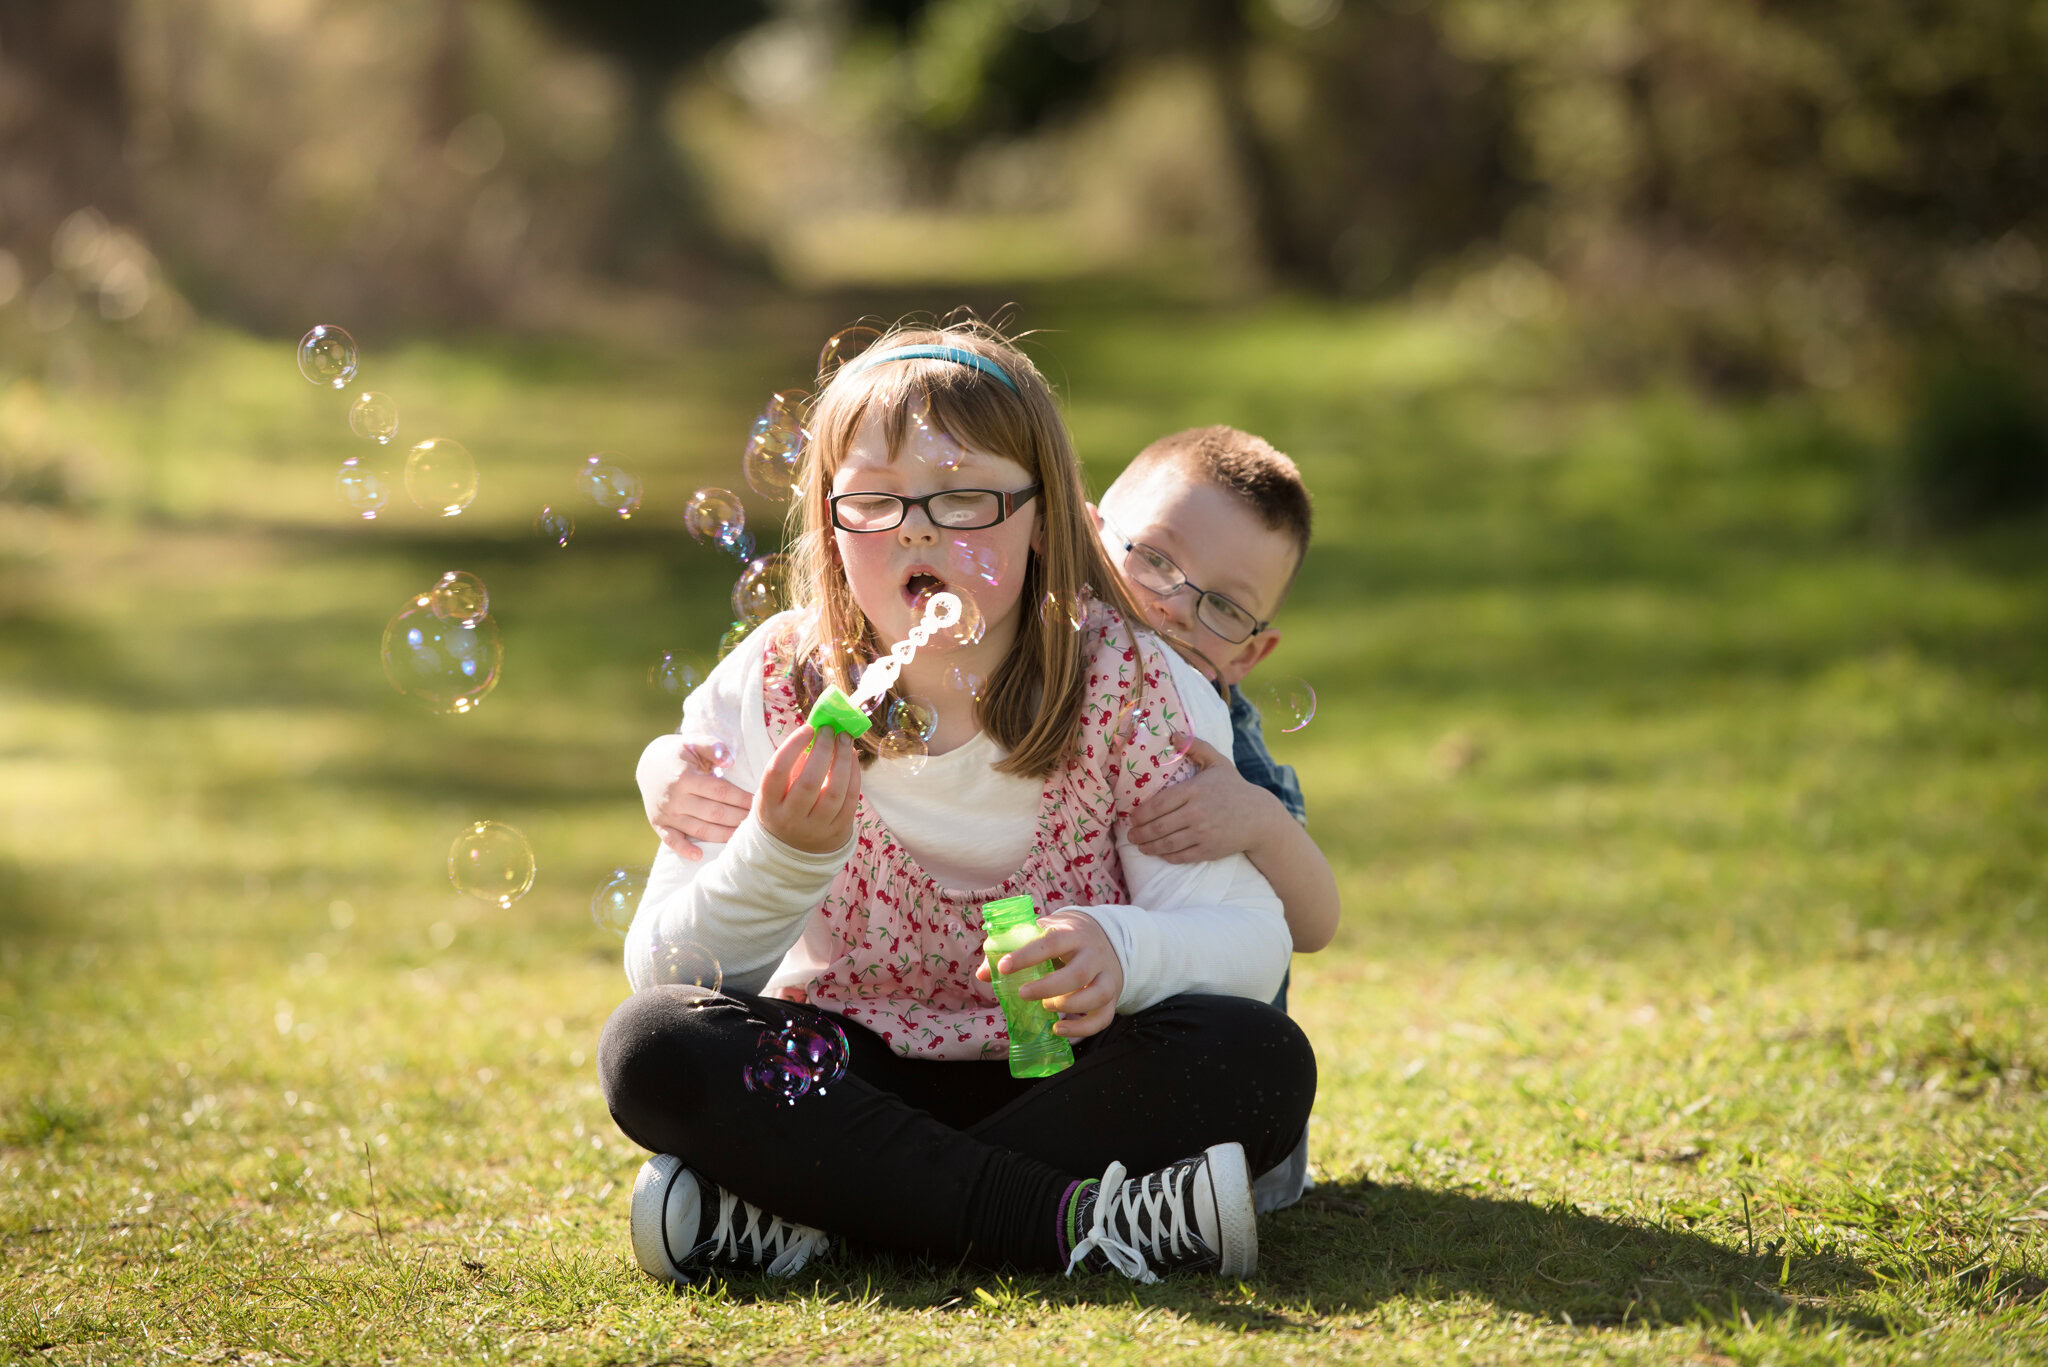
{"points": [[893, 949]]}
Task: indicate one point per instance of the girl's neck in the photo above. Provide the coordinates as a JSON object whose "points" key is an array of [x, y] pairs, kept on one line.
{"points": [[936, 677]]}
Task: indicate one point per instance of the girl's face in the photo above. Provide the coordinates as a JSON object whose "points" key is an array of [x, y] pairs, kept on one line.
{"points": [[892, 572]]}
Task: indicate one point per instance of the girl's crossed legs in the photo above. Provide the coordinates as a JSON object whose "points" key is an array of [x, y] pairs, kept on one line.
{"points": [[952, 1159]]}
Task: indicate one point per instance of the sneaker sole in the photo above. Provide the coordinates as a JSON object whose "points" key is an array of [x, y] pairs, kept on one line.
{"points": [[657, 1178], [1237, 1224]]}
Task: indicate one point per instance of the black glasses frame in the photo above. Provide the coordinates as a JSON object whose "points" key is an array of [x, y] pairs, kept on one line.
{"points": [[1006, 508], [1202, 595]]}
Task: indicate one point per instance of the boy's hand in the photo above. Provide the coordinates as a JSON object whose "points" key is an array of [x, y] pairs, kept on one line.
{"points": [[1214, 814], [810, 790], [683, 802], [1088, 983]]}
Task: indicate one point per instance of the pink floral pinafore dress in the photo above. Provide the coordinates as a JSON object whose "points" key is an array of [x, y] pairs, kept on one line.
{"points": [[895, 951]]}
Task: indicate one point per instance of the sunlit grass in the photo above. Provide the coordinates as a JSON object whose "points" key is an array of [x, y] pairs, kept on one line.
{"points": [[1687, 1004]]}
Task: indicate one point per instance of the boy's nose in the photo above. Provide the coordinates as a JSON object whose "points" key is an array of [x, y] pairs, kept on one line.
{"points": [[1171, 609]]}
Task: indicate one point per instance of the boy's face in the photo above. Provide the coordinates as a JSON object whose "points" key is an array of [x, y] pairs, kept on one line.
{"points": [[1217, 543]]}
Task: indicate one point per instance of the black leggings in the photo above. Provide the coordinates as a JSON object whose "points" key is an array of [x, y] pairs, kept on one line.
{"points": [[953, 1159]]}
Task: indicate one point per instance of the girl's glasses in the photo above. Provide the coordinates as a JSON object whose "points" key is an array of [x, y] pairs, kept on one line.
{"points": [[1149, 568], [956, 510]]}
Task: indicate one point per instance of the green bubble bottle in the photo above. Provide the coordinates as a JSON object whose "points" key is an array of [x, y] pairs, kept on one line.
{"points": [[1035, 1051]]}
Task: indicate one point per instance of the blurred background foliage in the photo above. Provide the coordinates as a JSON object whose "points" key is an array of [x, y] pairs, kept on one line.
{"points": [[1784, 184], [1751, 197]]}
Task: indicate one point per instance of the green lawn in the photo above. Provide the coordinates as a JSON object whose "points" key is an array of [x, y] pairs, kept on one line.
{"points": [[1689, 1004]]}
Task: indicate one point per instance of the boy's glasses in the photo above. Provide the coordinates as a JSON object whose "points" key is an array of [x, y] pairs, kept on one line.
{"points": [[956, 510], [1150, 568]]}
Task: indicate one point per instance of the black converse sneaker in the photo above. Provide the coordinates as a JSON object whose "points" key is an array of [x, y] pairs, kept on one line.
{"points": [[683, 1223], [1195, 1213]]}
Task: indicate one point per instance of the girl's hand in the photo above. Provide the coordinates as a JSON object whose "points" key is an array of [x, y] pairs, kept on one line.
{"points": [[1087, 985], [810, 790], [1214, 814]]}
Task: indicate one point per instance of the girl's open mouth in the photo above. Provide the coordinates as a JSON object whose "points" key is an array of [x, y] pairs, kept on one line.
{"points": [[919, 588]]}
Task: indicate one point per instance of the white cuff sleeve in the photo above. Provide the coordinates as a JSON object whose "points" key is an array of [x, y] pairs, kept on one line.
{"points": [[744, 904]]}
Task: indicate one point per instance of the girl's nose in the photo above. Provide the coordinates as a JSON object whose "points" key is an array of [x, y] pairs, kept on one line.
{"points": [[916, 529]]}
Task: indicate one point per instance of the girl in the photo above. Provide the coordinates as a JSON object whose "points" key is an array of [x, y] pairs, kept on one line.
{"points": [[849, 899]]}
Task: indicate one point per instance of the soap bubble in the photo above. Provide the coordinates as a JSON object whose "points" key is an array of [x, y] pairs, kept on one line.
{"points": [[762, 590], [1058, 611], [773, 1073], [775, 448], [445, 664], [903, 745], [441, 476], [963, 680], [373, 415], [1145, 739], [491, 862], [715, 515], [675, 676], [799, 1059], [821, 1048], [460, 597], [362, 488], [617, 898], [1285, 704], [688, 963], [609, 485], [967, 627], [913, 716], [554, 525], [842, 346], [928, 443], [327, 356], [965, 559], [711, 757], [734, 634]]}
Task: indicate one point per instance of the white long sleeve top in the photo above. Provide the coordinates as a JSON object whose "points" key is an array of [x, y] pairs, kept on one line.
{"points": [[1215, 927]]}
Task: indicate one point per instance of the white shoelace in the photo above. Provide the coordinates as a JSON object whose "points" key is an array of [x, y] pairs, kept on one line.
{"points": [[793, 1245], [1115, 1197]]}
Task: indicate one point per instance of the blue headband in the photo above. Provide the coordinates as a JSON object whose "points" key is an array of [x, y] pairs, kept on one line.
{"points": [[957, 355]]}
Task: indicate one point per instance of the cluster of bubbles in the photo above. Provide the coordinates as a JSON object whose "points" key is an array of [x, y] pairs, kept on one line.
{"points": [[439, 474], [800, 1059], [442, 647], [491, 862]]}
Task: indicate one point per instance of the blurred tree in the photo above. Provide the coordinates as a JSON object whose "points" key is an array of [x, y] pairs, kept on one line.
{"points": [[65, 121], [661, 207]]}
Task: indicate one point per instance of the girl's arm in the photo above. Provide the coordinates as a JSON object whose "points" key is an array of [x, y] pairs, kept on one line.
{"points": [[745, 902]]}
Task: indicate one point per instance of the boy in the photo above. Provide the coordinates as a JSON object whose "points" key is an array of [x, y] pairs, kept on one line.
{"points": [[1208, 528]]}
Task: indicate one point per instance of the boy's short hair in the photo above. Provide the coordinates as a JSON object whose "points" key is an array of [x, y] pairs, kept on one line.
{"points": [[1268, 482]]}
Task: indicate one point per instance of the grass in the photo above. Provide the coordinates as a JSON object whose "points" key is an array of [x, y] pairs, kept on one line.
{"points": [[1687, 1006]]}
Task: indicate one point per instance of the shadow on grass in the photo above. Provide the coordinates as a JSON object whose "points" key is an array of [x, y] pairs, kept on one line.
{"points": [[1352, 1246]]}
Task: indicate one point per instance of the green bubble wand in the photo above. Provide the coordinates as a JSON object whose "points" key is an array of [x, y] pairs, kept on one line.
{"points": [[835, 711]]}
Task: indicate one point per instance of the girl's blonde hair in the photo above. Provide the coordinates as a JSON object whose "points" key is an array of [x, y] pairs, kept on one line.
{"points": [[1033, 700]]}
